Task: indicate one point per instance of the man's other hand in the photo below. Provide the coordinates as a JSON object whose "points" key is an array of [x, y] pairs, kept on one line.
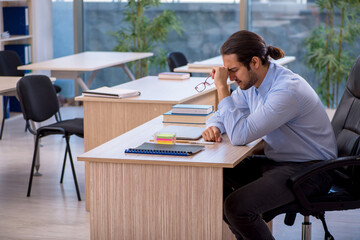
{"points": [[212, 134]]}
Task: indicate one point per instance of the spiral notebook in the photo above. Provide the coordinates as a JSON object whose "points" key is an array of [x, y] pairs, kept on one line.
{"points": [[163, 149]]}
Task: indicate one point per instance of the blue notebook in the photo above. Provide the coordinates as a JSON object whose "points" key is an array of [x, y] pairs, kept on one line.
{"points": [[163, 149]]}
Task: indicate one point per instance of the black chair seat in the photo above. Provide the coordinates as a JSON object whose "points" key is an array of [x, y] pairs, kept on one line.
{"points": [[68, 127]]}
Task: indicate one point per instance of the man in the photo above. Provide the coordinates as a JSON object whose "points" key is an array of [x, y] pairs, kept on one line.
{"points": [[278, 106]]}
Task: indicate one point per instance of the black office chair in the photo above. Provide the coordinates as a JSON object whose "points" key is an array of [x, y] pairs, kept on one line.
{"points": [[39, 102], [176, 59], [345, 170], [9, 61]]}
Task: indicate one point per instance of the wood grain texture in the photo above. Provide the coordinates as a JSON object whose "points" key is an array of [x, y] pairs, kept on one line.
{"points": [[141, 202]]}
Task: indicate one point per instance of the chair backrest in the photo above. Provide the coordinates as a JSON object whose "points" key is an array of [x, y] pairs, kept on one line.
{"points": [[9, 61], [346, 121], [37, 97], [346, 125], [176, 59]]}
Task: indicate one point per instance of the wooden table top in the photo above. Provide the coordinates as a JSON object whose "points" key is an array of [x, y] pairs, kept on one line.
{"points": [[86, 61], [154, 90], [222, 154], [8, 84], [206, 65]]}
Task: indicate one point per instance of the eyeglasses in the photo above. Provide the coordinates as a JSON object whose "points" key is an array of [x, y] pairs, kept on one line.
{"points": [[202, 86]]}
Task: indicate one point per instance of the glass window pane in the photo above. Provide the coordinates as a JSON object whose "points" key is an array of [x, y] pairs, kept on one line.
{"points": [[206, 26], [63, 39]]}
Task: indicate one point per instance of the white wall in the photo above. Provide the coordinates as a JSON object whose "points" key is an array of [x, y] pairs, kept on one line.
{"points": [[42, 30]]}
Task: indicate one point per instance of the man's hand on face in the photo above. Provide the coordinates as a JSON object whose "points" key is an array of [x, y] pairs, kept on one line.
{"points": [[212, 134], [220, 76]]}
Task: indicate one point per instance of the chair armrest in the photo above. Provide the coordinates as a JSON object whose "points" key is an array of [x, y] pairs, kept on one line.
{"points": [[300, 177]]}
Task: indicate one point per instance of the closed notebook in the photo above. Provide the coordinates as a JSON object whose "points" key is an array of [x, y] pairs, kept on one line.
{"points": [[184, 132], [163, 149], [111, 92]]}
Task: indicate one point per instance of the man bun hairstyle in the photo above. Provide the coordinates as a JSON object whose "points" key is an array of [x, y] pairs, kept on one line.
{"points": [[246, 45], [275, 52]]}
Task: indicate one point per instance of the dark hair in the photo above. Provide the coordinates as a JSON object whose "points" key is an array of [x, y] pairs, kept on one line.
{"points": [[246, 45]]}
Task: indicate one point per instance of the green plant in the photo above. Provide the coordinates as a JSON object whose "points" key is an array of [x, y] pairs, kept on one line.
{"points": [[141, 34], [327, 47]]}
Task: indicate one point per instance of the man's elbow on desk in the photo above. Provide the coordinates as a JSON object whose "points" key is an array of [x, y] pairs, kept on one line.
{"points": [[237, 140]]}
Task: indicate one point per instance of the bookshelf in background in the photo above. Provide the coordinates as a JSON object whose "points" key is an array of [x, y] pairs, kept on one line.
{"points": [[16, 18]]}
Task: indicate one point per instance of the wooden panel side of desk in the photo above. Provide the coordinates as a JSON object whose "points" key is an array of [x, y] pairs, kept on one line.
{"points": [[132, 201], [104, 121]]}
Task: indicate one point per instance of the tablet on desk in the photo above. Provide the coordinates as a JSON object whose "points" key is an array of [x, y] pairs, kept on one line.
{"points": [[184, 132]]}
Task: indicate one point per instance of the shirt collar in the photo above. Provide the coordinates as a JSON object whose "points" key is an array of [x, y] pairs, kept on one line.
{"points": [[267, 82]]}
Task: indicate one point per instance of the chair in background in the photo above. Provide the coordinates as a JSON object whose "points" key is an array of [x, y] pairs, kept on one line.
{"points": [[345, 170], [9, 61], [39, 102], [176, 59]]}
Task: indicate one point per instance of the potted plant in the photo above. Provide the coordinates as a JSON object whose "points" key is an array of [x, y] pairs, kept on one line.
{"points": [[328, 46], [141, 34]]}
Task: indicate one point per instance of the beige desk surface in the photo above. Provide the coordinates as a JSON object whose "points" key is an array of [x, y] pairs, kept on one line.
{"points": [[86, 61], [154, 90], [218, 60], [8, 84], [223, 155]]}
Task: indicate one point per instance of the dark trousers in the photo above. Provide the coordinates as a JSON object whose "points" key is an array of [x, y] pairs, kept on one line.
{"points": [[257, 185]]}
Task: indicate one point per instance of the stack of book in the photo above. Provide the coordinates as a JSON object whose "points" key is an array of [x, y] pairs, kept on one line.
{"points": [[188, 114], [173, 76]]}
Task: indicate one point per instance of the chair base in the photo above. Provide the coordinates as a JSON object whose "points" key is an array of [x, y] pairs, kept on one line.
{"points": [[306, 229]]}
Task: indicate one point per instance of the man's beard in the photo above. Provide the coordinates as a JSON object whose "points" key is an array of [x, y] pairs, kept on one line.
{"points": [[253, 78]]}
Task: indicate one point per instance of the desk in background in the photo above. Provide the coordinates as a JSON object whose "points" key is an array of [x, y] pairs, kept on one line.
{"points": [[107, 118], [140, 196], [218, 61], [71, 67]]}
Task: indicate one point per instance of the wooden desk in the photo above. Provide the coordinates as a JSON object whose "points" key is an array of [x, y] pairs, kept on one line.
{"points": [[71, 67], [107, 118], [216, 61], [8, 85], [137, 197]]}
